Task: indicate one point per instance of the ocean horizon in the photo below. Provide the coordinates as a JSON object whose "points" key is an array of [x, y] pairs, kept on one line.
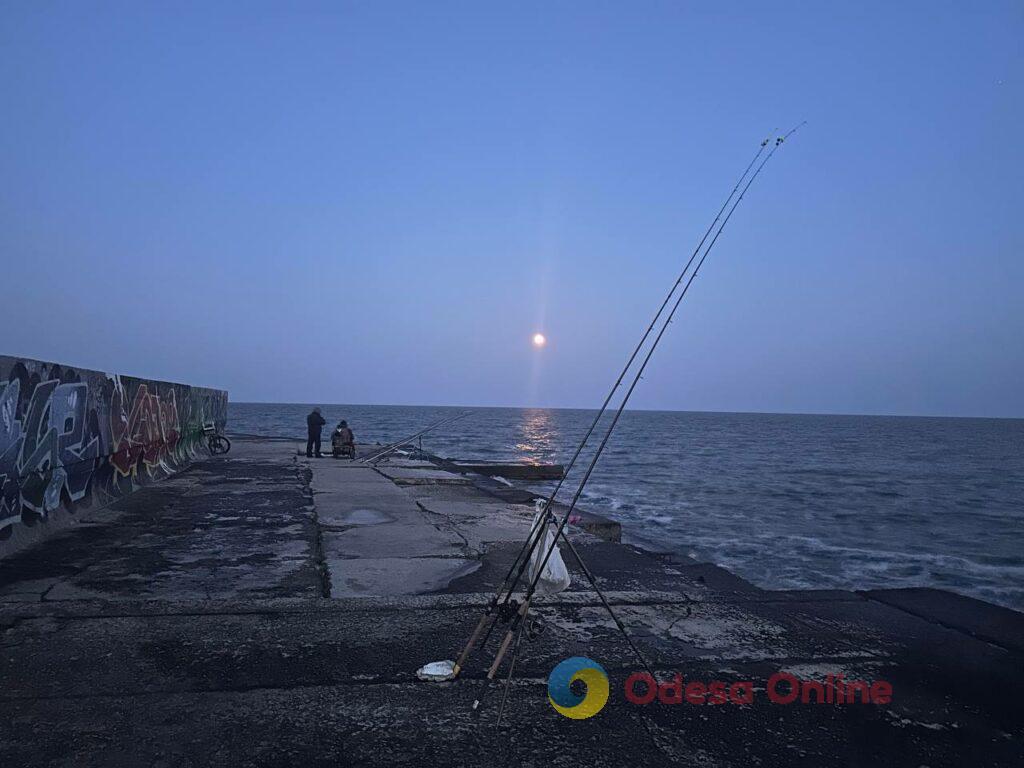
{"points": [[643, 410]]}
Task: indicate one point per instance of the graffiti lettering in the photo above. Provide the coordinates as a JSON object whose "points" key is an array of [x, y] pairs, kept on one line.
{"points": [[72, 438]]}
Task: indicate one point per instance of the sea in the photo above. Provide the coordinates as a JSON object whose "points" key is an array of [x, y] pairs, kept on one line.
{"points": [[785, 501]]}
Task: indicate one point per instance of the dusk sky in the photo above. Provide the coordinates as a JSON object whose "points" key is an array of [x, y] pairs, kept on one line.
{"points": [[383, 202]]}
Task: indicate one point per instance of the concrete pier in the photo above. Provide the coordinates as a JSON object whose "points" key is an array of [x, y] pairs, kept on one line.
{"points": [[511, 471], [267, 609]]}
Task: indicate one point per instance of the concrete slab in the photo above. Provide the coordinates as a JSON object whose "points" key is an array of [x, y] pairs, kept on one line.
{"points": [[477, 509], [345, 497], [395, 575], [375, 539], [238, 525], [992, 623], [392, 540], [400, 463], [480, 523], [403, 476], [510, 470]]}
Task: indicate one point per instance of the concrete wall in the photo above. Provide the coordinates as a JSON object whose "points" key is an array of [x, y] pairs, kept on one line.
{"points": [[74, 439]]}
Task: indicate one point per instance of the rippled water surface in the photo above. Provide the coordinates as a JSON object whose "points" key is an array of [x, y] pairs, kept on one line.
{"points": [[785, 501]]}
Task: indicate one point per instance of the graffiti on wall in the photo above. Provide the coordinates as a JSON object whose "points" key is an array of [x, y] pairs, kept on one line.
{"points": [[71, 438]]}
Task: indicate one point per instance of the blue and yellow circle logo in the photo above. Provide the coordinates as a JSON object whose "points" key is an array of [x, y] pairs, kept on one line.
{"points": [[570, 704]]}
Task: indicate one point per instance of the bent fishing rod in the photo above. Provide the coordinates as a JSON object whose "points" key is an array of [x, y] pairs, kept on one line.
{"points": [[522, 558], [392, 447], [522, 612]]}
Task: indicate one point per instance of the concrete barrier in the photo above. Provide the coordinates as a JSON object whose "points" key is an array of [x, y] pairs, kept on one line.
{"points": [[74, 439]]}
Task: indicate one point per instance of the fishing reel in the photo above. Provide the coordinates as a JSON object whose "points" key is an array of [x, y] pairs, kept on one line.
{"points": [[507, 611], [534, 626]]}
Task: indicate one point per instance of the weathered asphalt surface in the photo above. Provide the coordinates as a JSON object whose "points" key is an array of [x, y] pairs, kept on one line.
{"points": [[265, 610]]}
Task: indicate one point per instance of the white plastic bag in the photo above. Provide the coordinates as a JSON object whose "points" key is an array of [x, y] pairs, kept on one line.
{"points": [[554, 578], [437, 671]]}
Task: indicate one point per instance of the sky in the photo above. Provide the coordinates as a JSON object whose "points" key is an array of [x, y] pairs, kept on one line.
{"points": [[383, 202]]}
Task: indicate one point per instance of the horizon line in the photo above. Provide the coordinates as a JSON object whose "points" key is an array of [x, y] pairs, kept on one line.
{"points": [[647, 410]]}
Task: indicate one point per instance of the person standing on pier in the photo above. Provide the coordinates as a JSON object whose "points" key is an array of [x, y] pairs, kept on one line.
{"points": [[314, 423]]}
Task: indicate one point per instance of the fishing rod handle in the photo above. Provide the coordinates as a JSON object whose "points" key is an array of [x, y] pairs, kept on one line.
{"points": [[503, 649], [500, 656], [471, 644]]}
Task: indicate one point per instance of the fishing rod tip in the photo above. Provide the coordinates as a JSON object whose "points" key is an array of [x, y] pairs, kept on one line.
{"points": [[797, 127]]}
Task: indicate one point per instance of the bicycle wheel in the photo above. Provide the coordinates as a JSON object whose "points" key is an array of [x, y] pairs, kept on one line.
{"points": [[219, 444]]}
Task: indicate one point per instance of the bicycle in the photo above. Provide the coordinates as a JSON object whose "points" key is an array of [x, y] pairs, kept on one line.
{"points": [[217, 443]]}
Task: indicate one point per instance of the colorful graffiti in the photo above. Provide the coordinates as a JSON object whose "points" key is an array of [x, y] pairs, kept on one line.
{"points": [[72, 439]]}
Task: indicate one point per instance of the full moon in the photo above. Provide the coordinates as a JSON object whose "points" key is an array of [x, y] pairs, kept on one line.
{"points": [[539, 340]]}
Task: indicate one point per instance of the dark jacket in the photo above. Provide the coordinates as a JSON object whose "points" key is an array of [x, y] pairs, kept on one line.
{"points": [[343, 436], [315, 422]]}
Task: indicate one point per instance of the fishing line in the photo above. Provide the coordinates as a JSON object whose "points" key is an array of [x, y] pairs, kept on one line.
{"points": [[647, 358], [521, 614], [523, 557], [391, 447]]}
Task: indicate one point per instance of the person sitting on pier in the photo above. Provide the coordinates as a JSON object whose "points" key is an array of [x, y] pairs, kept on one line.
{"points": [[314, 423], [343, 442]]}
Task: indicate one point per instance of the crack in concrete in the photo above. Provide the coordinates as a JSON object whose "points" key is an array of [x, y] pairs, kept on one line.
{"points": [[939, 623], [305, 477], [469, 552], [45, 592]]}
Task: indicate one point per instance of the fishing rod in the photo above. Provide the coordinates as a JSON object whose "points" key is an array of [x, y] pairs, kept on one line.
{"points": [[535, 535], [522, 612], [392, 447]]}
